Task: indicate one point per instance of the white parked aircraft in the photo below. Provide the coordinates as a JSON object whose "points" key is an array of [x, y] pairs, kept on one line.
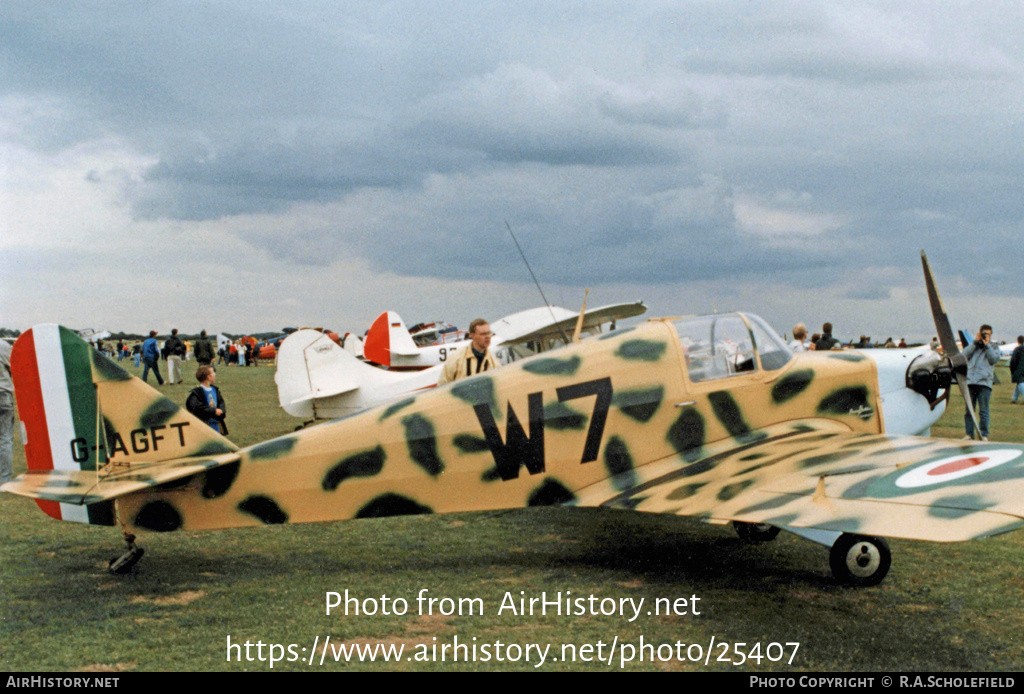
{"points": [[317, 379]]}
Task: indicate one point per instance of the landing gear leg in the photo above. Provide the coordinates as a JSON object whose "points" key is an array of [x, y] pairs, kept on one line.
{"points": [[124, 563], [859, 560]]}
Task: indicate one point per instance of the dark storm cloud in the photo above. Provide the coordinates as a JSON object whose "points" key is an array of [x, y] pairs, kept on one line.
{"points": [[626, 134]]}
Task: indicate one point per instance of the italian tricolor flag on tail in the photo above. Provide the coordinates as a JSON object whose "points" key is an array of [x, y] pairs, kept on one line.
{"points": [[52, 371]]}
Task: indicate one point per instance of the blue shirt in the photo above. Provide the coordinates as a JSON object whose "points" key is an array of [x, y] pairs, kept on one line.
{"points": [[211, 400]]}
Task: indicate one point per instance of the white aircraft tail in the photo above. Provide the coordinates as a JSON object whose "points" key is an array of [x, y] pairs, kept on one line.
{"points": [[311, 365], [317, 379]]}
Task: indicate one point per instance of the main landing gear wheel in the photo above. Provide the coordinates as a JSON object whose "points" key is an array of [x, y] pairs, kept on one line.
{"points": [[859, 560], [124, 563], [755, 532]]}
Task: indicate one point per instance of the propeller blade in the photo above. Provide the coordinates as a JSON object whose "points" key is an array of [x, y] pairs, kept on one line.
{"points": [[946, 338], [961, 381]]}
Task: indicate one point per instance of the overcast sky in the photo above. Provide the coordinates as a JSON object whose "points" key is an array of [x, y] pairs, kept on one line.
{"points": [[244, 166]]}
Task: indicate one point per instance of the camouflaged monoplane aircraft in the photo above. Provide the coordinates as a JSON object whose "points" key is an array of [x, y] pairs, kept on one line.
{"points": [[711, 417]]}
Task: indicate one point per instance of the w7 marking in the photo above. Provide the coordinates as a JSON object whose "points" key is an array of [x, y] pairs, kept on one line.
{"points": [[518, 449]]}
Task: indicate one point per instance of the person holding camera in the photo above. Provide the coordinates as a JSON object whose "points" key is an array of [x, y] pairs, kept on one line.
{"points": [[982, 357]]}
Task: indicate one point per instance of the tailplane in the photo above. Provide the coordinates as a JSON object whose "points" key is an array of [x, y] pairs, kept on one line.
{"points": [[85, 419]]}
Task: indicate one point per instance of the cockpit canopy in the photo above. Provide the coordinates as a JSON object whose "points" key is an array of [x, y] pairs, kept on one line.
{"points": [[726, 345]]}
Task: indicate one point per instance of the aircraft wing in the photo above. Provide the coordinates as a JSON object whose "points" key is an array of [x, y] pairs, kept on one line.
{"points": [[83, 487], [541, 323], [811, 474]]}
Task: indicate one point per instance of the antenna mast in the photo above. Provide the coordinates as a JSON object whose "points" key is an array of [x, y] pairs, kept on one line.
{"points": [[527, 262]]}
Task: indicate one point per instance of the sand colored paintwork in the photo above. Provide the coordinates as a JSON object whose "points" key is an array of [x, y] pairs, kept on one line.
{"points": [[613, 421]]}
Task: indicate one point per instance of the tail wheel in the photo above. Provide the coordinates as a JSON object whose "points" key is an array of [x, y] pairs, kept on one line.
{"points": [[755, 532], [858, 560]]}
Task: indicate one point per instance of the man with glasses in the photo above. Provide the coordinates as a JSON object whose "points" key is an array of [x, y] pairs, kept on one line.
{"points": [[472, 359]]}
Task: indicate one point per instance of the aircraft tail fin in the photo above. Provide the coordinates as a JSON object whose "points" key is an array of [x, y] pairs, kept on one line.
{"points": [[388, 335], [353, 344], [310, 366], [83, 414]]}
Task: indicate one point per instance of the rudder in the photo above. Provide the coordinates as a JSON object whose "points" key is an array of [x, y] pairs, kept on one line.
{"points": [[81, 411]]}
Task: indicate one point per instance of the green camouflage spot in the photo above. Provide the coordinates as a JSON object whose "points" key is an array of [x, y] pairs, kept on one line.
{"points": [[620, 464], [827, 458], [728, 413], [901, 449], [550, 493], [560, 416], [179, 483], [770, 504], [467, 443], [63, 484], [685, 491], [846, 401], [731, 491], [366, 464], [265, 509], [966, 504], [757, 466], [65, 498], [134, 477], [272, 449], [395, 407], [219, 480], [946, 513], [478, 390], [863, 441], [422, 443], [641, 350], [392, 505], [631, 504], [782, 521], [215, 448], [687, 433], [640, 404], [791, 385], [106, 370], [843, 525], [1010, 526], [553, 367], [817, 437], [491, 475], [209, 463], [699, 467], [158, 516], [158, 413], [847, 356]]}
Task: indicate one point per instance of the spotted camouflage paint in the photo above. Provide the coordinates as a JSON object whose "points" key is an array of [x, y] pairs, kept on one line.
{"points": [[611, 422]]}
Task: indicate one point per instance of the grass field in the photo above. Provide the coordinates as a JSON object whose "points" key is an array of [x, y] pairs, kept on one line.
{"points": [[943, 607]]}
